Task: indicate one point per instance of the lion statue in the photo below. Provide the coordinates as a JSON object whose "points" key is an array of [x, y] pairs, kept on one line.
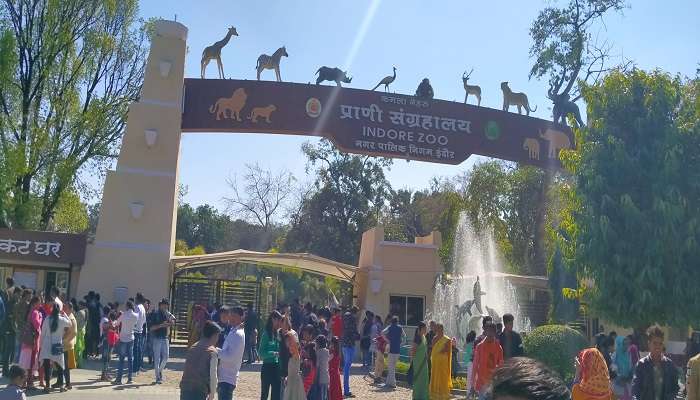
{"points": [[233, 105], [262, 112]]}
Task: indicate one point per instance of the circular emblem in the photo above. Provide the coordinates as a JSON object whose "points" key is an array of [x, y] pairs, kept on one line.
{"points": [[313, 107], [492, 131]]}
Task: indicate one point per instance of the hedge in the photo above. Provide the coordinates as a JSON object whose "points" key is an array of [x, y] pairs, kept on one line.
{"points": [[556, 346]]}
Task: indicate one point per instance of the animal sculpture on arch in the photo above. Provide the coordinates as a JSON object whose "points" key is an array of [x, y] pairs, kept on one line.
{"points": [[272, 62], [213, 52], [470, 89], [388, 80], [557, 140], [262, 112], [425, 90], [518, 99], [532, 146], [332, 74], [563, 106], [233, 105]]}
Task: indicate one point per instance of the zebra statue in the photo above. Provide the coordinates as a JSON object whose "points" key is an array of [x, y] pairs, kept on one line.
{"points": [[272, 62]]}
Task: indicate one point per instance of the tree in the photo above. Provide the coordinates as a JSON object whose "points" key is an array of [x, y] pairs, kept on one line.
{"points": [[264, 194], [634, 227], [410, 214], [182, 249], [216, 232], [349, 193], [69, 70], [71, 214], [203, 226], [509, 201], [564, 48]]}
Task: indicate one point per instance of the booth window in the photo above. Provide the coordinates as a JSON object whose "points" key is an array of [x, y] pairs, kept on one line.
{"points": [[409, 309]]}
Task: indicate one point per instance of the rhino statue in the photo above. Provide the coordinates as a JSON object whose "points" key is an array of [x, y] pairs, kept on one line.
{"points": [[332, 74]]}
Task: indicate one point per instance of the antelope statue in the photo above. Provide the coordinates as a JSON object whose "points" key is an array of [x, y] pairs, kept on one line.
{"points": [[471, 89], [213, 52]]}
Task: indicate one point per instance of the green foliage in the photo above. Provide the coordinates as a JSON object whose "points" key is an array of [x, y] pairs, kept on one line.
{"points": [[347, 198], [563, 47], [634, 227], [68, 71], [556, 346], [181, 249], [71, 214], [510, 202]]}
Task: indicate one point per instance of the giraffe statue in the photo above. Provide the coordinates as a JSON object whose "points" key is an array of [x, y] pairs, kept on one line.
{"points": [[272, 62], [213, 52]]}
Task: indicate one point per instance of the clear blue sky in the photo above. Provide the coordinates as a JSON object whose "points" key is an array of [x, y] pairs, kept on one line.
{"points": [[434, 39]]}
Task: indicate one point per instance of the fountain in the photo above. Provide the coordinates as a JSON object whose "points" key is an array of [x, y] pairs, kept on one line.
{"points": [[476, 288]]}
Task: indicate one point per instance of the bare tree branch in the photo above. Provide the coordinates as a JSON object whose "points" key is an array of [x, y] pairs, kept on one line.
{"points": [[262, 195]]}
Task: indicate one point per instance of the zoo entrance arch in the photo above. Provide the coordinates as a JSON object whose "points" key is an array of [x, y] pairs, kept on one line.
{"points": [[135, 235]]}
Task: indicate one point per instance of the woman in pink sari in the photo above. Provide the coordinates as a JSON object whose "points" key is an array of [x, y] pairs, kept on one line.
{"points": [[29, 353]]}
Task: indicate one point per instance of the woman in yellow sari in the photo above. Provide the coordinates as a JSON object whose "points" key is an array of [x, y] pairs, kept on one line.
{"points": [[441, 365], [592, 376]]}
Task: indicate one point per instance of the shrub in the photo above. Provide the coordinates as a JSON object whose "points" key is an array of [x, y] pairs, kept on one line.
{"points": [[556, 346]]}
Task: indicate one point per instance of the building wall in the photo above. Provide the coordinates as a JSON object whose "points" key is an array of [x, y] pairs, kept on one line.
{"points": [[391, 268]]}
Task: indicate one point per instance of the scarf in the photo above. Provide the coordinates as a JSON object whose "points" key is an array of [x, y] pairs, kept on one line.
{"points": [[595, 381]]}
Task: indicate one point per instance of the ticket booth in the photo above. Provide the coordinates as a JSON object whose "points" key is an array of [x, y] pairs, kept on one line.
{"points": [[41, 260]]}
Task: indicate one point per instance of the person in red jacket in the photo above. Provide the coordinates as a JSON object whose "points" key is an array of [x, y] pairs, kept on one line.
{"points": [[487, 357], [337, 323]]}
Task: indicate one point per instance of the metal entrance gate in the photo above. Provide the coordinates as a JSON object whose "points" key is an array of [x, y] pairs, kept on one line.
{"points": [[190, 291]]}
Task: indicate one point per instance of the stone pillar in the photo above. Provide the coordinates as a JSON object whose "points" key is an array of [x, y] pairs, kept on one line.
{"points": [[136, 230]]}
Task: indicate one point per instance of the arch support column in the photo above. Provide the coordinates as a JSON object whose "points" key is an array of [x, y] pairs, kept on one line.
{"points": [[136, 230]]}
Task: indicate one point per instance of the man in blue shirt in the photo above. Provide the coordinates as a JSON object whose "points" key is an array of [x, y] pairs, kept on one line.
{"points": [[394, 334]]}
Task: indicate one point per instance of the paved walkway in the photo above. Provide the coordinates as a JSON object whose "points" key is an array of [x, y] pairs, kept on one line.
{"points": [[86, 386]]}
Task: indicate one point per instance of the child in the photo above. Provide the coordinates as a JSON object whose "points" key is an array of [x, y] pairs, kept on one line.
{"points": [[110, 337], [310, 361], [335, 390], [469, 356], [322, 363], [380, 343], [13, 391], [254, 345], [323, 328]]}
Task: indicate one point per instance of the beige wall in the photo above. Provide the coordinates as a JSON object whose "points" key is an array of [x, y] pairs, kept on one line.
{"points": [[132, 250], [391, 268]]}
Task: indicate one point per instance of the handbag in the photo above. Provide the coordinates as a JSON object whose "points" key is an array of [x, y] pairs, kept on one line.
{"points": [[56, 349], [409, 374]]}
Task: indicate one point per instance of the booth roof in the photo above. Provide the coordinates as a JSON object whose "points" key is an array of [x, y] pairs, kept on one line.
{"points": [[305, 261]]}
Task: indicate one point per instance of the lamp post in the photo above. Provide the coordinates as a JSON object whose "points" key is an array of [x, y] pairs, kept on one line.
{"points": [[268, 298]]}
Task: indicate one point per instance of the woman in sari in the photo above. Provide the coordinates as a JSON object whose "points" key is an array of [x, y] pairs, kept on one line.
{"points": [[421, 381], [625, 370], [441, 363], [592, 376], [81, 317], [29, 353]]}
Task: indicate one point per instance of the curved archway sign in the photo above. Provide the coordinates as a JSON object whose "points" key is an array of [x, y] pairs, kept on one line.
{"points": [[136, 229], [373, 123]]}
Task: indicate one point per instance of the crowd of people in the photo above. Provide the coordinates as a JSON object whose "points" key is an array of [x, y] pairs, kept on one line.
{"points": [[46, 335], [307, 352]]}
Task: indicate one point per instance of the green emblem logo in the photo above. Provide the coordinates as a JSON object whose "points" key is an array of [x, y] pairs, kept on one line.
{"points": [[492, 132]]}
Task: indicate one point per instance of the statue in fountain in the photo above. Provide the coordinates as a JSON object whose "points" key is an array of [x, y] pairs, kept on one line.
{"points": [[477, 295]]}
